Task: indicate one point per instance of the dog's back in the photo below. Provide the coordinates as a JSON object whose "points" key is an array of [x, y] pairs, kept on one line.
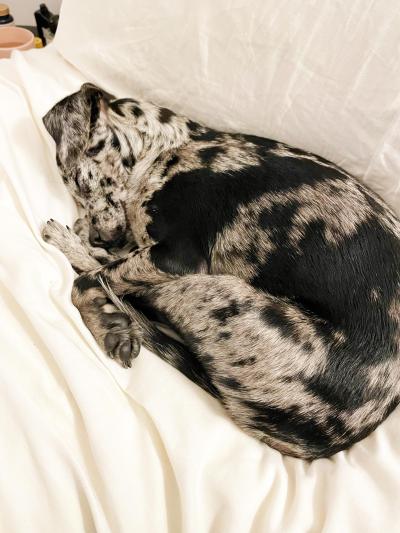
{"points": [[324, 247]]}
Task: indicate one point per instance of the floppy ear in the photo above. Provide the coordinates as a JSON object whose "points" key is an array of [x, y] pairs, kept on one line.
{"points": [[71, 120]]}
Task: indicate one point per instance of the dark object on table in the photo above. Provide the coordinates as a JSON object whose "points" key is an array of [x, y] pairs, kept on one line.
{"points": [[46, 23], [6, 18]]}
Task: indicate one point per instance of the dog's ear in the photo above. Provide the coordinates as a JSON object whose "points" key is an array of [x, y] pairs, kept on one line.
{"points": [[71, 121]]}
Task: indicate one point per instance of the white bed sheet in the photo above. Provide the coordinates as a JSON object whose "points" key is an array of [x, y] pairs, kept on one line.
{"points": [[88, 446]]}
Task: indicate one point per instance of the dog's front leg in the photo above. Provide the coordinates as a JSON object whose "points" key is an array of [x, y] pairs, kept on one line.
{"points": [[113, 330]]}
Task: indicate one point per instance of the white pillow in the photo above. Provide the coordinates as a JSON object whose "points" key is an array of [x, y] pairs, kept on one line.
{"points": [[324, 76]]}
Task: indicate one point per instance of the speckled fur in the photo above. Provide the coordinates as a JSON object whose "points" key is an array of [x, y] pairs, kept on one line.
{"points": [[277, 269]]}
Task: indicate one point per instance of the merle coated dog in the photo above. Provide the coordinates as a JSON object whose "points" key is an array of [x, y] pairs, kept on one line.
{"points": [[277, 269]]}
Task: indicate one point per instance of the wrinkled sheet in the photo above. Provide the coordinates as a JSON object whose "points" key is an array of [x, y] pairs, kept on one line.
{"points": [[89, 447]]}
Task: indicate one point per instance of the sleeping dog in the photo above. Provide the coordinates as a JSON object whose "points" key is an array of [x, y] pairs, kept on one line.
{"points": [[277, 269]]}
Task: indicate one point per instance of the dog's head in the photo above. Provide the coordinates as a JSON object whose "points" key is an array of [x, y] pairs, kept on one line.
{"points": [[98, 140]]}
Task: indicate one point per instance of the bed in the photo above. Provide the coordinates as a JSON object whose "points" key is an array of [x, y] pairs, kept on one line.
{"points": [[90, 447]]}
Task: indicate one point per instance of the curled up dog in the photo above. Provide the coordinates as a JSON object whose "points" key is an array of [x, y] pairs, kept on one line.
{"points": [[278, 270]]}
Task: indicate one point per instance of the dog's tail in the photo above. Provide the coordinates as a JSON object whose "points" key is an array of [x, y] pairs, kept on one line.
{"points": [[168, 349]]}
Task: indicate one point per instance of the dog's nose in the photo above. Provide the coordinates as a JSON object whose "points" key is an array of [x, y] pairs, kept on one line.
{"points": [[113, 239], [94, 237]]}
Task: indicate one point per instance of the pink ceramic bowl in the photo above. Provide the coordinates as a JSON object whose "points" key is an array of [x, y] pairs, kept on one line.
{"points": [[13, 38]]}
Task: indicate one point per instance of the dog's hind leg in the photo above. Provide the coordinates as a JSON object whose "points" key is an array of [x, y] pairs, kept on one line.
{"points": [[252, 351], [285, 375], [262, 356]]}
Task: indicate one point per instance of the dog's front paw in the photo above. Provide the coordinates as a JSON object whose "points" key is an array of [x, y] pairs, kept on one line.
{"points": [[62, 237]]}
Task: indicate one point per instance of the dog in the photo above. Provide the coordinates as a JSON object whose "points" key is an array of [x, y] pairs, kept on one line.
{"points": [[277, 269]]}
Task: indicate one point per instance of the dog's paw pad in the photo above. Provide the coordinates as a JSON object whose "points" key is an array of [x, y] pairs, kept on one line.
{"points": [[120, 342]]}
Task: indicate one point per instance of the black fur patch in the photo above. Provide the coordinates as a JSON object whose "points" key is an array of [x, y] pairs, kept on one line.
{"points": [[231, 383], [208, 155], [224, 313], [122, 101], [106, 182], [245, 362], [180, 257], [209, 135], [289, 425], [116, 106], [331, 391], [136, 111], [224, 335], [110, 200], [129, 161], [194, 127], [115, 142], [85, 282], [274, 316], [96, 149], [165, 115], [278, 220], [174, 160], [94, 111], [207, 359]]}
